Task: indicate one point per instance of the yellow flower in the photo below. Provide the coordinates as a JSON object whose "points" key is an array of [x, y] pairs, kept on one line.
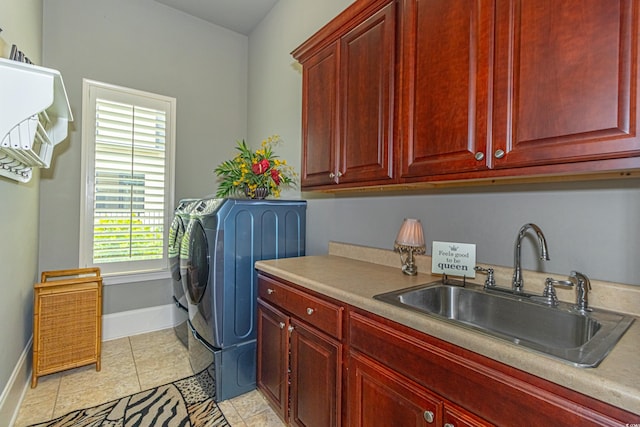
{"points": [[237, 175]]}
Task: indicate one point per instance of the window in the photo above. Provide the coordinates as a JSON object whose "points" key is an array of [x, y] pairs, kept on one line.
{"points": [[127, 192]]}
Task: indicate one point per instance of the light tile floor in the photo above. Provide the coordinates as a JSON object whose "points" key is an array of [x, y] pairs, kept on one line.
{"points": [[130, 365]]}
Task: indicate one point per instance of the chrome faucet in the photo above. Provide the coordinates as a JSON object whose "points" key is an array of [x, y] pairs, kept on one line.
{"points": [[583, 286], [517, 282]]}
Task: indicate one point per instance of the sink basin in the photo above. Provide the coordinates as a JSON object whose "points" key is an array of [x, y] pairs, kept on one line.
{"points": [[562, 332]]}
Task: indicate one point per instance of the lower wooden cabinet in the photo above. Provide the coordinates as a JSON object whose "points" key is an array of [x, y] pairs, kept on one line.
{"points": [[409, 371], [378, 396], [273, 358], [315, 377], [394, 375], [299, 365]]}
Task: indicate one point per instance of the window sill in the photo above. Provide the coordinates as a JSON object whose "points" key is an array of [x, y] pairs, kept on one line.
{"points": [[120, 279]]}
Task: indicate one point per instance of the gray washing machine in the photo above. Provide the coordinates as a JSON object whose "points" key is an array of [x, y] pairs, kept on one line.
{"points": [[221, 245], [181, 218]]}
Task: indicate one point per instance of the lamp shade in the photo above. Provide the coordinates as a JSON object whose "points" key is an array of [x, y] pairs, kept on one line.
{"points": [[411, 233]]}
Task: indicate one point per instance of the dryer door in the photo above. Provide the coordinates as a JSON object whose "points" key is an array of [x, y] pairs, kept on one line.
{"points": [[175, 238], [197, 266]]}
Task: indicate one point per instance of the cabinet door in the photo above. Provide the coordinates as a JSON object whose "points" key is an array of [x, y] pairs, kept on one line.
{"points": [[457, 417], [379, 397], [320, 117], [316, 378], [273, 357], [446, 51], [367, 56], [566, 81]]}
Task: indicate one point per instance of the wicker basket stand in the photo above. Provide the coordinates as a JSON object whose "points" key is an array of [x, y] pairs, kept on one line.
{"points": [[67, 321]]}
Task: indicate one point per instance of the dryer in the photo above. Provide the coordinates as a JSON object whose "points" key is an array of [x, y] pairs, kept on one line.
{"points": [[181, 218], [222, 243]]}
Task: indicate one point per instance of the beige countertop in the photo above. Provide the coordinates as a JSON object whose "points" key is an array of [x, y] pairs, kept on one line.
{"points": [[344, 277]]}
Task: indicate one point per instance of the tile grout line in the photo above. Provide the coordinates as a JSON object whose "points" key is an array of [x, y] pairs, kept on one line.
{"points": [[135, 364], [55, 402]]}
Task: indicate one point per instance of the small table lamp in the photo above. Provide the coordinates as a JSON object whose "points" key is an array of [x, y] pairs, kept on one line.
{"points": [[410, 241]]}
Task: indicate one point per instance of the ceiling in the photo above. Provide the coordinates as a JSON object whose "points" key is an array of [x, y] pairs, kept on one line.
{"points": [[240, 16]]}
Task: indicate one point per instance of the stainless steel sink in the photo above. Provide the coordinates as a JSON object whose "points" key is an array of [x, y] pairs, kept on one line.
{"points": [[561, 332]]}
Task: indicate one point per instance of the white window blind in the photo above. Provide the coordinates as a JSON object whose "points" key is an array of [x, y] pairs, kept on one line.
{"points": [[129, 181], [128, 223]]}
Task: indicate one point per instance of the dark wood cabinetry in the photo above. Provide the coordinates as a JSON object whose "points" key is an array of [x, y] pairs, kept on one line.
{"points": [[566, 81], [411, 91], [348, 99], [445, 85], [420, 371], [320, 117], [299, 354], [273, 359], [379, 396], [394, 375]]}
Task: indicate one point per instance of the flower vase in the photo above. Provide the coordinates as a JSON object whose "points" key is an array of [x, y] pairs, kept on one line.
{"points": [[259, 193]]}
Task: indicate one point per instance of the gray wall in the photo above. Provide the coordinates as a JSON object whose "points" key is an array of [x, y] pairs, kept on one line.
{"points": [[18, 214], [592, 227], [144, 45]]}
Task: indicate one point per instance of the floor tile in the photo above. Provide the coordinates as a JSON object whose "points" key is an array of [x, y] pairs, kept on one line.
{"points": [[250, 404], [266, 418], [129, 365], [230, 413], [38, 403]]}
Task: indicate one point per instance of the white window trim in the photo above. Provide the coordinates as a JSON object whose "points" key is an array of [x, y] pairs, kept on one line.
{"points": [[86, 196]]}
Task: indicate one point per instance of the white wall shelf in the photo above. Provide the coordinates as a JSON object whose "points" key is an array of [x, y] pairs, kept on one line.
{"points": [[34, 117]]}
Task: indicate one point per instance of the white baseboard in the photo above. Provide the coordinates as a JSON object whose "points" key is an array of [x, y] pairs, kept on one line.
{"points": [[16, 387], [135, 322], [116, 325]]}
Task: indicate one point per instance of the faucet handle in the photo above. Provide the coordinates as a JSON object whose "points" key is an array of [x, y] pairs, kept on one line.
{"points": [[490, 281], [550, 290], [583, 286]]}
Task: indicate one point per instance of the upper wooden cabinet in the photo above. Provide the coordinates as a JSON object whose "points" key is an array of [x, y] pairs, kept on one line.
{"points": [[446, 50], [348, 82], [565, 81], [406, 91]]}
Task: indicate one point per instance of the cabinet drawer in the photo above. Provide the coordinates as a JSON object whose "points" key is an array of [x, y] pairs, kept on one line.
{"points": [[319, 313]]}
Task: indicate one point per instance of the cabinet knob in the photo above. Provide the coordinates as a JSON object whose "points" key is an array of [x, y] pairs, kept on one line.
{"points": [[332, 175], [499, 153], [428, 416], [270, 291], [449, 425], [281, 324], [479, 155], [290, 328], [310, 311]]}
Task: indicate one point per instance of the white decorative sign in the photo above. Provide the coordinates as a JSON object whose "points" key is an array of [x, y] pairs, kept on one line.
{"points": [[453, 259]]}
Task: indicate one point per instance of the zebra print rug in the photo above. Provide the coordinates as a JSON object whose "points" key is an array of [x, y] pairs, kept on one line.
{"points": [[184, 403]]}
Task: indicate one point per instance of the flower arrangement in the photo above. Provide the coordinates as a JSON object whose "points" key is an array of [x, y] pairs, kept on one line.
{"points": [[255, 174]]}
